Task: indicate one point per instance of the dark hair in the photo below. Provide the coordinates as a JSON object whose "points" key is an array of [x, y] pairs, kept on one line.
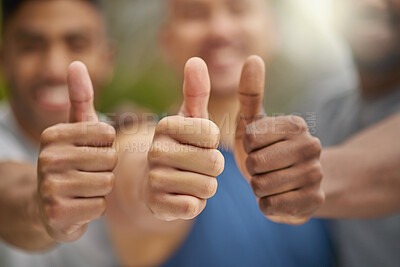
{"points": [[9, 7]]}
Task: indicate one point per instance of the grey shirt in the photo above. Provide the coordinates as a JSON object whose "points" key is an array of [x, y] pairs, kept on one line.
{"points": [[360, 242], [92, 249]]}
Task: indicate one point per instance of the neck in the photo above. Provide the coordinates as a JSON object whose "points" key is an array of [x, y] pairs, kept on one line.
{"points": [[374, 85], [223, 111]]}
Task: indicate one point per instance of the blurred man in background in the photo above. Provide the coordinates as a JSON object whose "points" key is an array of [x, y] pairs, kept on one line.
{"points": [[40, 40], [360, 166], [56, 177], [232, 229], [360, 130]]}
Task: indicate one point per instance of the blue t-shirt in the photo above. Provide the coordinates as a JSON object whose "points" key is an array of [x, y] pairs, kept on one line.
{"points": [[232, 231]]}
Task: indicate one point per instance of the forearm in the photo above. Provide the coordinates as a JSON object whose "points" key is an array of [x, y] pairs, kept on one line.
{"points": [[362, 175], [358, 186], [20, 223], [126, 203]]}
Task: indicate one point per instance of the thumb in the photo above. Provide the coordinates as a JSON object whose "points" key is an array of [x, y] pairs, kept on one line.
{"points": [[81, 94], [251, 89], [251, 94], [196, 89]]}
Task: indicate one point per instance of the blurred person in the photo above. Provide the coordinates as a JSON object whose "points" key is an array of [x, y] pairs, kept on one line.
{"points": [[360, 167], [58, 158], [232, 229], [359, 130], [41, 126]]}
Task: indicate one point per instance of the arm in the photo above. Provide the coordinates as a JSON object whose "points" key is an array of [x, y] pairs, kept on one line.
{"points": [[362, 175], [20, 223], [126, 204], [139, 238], [165, 175]]}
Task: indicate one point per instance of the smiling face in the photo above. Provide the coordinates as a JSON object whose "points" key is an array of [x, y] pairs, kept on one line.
{"points": [[372, 29], [40, 40], [222, 32]]}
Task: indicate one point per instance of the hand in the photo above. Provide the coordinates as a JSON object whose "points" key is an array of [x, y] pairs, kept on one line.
{"points": [[20, 222], [183, 158], [75, 164], [277, 155]]}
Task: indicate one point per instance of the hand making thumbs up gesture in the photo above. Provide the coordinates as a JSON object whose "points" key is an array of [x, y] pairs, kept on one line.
{"points": [[75, 164], [277, 155], [183, 158]]}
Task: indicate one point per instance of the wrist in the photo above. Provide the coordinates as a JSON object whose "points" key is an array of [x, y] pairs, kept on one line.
{"points": [[33, 215]]}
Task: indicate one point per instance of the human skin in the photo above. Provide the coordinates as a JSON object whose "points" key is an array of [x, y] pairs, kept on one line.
{"points": [[74, 174], [75, 164], [214, 38], [286, 157], [40, 40], [367, 184]]}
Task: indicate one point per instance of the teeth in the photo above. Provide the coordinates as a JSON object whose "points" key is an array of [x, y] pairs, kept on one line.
{"points": [[54, 95]]}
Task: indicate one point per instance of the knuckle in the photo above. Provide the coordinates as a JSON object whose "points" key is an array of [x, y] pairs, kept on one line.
{"points": [[214, 135], [319, 198], [109, 181], [155, 179], [151, 201], [49, 160], [256, 160], [210, 188], [316, 146], [156, 154], [259, 186], [314, 173], [277, 205], [107, 132], [310, 148], [73, 232], [48, 188], [112, 156], [163, 125], [249, 139], [102, 206], [287, 207], [106, 129], [291, 210], [50, 135], [265, 207], [270, 203], [313, 199], [53, 213], [256, 129], [218, 163], [250, 165], [190, 209], [299, 123]]}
